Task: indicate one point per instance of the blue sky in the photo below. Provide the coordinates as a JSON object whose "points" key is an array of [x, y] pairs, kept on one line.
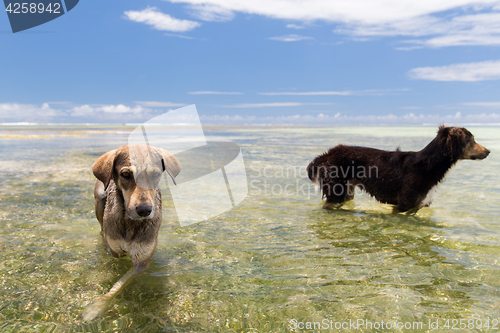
{"points": [[240, 61]]}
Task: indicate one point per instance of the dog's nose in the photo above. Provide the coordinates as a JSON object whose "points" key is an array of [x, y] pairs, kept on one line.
{"points": [[143, 210]]}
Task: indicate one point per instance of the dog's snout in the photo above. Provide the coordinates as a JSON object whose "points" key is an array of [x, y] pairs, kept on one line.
{"points": [[144, 210], [485, 153]]}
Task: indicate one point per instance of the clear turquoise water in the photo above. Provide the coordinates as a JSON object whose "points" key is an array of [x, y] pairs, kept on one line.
{"points": [[275, 258]]}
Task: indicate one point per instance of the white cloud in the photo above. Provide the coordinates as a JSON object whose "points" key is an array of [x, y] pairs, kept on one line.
{"points": [[468, 72], [158, 104], [473, 29], [290, 38], [360, 11], [120, 113], [15, 112], [266, 105], [484, 104], [214, 93], [263, 105], [211, 13], [443, 23], [58, 102], [120, 108], [160, 21], [177, 35], [83, 111], [457, 40], [66, 112], [344, 119], [294, 26], [309, 93], [107, 110], [370, 92]]}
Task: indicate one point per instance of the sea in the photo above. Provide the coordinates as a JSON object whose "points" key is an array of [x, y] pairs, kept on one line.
{"points": [[273, 261]]}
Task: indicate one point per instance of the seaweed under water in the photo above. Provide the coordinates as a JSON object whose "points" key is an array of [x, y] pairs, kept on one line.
{"points": [[276, 262]]}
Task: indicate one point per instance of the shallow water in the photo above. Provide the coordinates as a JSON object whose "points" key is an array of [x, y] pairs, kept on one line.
{"points": [[275, 258]]}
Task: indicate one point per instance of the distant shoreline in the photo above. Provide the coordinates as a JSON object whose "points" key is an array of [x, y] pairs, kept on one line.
{"points": [[234, 126]]}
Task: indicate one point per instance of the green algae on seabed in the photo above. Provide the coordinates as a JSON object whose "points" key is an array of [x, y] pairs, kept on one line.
{"points": [[276, 257]]}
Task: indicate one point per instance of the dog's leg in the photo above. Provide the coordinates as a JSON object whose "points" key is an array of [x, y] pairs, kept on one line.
{"points": [[101, 304], [351, 190], [407, 203], [335, 193], [429, 197], [334, 201], [396, 210]]}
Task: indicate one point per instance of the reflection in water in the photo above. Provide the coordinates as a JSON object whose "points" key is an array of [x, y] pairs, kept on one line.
{"points": [[396, 255], [277, 256]]}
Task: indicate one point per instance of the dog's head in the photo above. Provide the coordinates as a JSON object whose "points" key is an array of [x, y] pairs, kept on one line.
{"points": [[458, 144], [136, 171]]}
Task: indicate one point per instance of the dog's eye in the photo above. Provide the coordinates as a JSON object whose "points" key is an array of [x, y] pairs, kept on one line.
{"points": [[126, 174], [156, 178]]}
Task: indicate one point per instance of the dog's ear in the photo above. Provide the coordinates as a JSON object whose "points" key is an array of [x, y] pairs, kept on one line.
{"points": [[103, 167], [455, 143], [170, 164], [460, 136]]}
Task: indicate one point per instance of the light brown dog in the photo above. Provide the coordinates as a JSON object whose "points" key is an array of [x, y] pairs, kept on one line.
{"points": [[128, 206]]}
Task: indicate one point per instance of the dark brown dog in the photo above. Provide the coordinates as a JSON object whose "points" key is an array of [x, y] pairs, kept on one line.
{"points": [[128, 206], [403, 179]]}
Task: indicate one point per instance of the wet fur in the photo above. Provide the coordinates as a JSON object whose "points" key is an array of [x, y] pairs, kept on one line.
{"points": [[403, 179], [129, 213]]}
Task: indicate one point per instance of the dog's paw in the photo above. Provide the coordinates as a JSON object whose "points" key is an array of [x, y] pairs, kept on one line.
{"points": [[332, 205], [95, 309]]}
